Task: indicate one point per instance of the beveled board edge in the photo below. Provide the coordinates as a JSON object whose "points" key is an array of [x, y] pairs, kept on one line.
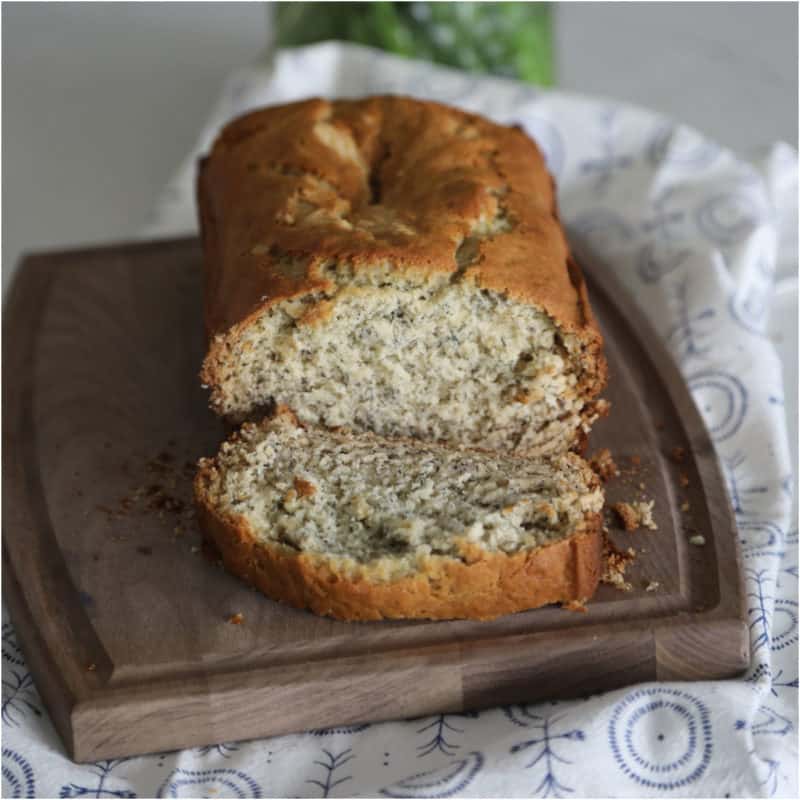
{"points": [[456, 677], [413, 683], [720, 510]]}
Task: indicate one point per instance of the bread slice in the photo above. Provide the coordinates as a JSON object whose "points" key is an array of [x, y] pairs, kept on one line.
{"points": [[364, 528], [395, 266]]}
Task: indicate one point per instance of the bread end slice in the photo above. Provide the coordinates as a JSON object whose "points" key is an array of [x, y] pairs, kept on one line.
{"points": [[534, 541]]}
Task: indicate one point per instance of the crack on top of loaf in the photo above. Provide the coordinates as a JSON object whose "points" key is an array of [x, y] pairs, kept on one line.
{"points": [[468, 250], [319, 203], [289, 264], [339, 138], [375, 179]]}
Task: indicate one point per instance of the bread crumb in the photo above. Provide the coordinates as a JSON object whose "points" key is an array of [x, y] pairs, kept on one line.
{"points": [[575, 605], [645, 511], [616, 564], [626, 514], [91, 667], [641, 486], [236, 619], [652, 586], [635, 460], [683, 479], [685, 506], [678, 454], [603, 464], [636, 515], [698, 540], [195, 549]]}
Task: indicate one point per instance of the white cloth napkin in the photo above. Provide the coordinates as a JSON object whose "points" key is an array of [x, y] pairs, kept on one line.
{"points": [[699, 237]]}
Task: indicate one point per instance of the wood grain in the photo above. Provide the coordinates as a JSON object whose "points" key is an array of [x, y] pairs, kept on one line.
{"points": [[125, 624]]}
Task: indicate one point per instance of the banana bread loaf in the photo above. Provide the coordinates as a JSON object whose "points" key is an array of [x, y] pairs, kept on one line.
{"points": [[394, 266]]}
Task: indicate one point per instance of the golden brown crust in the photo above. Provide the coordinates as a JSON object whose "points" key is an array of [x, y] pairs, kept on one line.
{"points": [[483, 585], [288, 190]]}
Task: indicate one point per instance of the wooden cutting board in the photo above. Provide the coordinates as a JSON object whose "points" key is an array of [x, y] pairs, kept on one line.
{"points": [[125, 623]]}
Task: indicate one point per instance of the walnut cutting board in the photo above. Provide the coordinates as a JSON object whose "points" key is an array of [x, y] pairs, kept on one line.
{"points": [[125, 623]]}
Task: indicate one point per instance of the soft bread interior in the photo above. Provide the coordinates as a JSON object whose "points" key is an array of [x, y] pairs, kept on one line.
{"points": [[387, 505], [435, 360]]}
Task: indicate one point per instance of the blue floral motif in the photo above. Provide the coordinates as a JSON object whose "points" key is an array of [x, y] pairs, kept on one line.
{"points": [[790, 570], [722, 400], [766, 722], [330, 766], [749, 307], [12, 653], [760, 539], [601, 230], [544, 743], [19, 697], [224, 749], [444, 782], [784, 624], [727, 219], [680, 147], [665, 224], [101, 770], [202, 783], [771, 779], [759, 610], [661, 737], [741, 492], [604, 167], [439, 729], [687, 334], [664, 252], [656, 260], [18, 777], [779, 684], [775, 681]]}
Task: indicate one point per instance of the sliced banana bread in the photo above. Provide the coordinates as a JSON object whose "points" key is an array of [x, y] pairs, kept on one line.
{"points": [[394, 266], [360, 527]]}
